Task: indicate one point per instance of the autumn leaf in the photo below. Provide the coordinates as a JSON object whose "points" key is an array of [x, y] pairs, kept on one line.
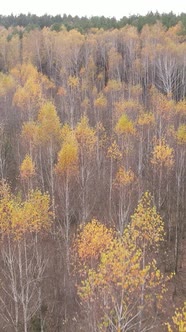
{"points": [[114, 151], [100, 101], [124, 126], [181, 134], [163, 155], [85, 135], [19, 217], [67, 163], [97, 236], [123, 177], [49, 123], [179, 320], [27, 168]]}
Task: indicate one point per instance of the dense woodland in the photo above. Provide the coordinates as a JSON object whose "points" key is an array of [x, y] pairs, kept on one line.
{"points": [[93, 176], [83, 24]]}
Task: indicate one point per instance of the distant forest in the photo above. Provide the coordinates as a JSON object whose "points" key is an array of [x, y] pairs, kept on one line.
{"points": [[83, 24], [93, 174]]}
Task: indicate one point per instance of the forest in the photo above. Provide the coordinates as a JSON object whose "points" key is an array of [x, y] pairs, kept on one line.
{"points": [[83, 24], [93, 175]]}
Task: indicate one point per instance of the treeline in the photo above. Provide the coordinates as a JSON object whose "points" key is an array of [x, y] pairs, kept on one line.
{"points": [[83, 24], [96, 121]]}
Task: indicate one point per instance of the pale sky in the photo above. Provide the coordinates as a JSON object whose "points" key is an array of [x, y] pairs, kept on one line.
{"points": [[107, 8]]}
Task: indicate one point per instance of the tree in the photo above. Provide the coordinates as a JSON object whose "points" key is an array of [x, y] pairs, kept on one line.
{"points": [[116, 278], [86, 139], [180, 154], [145, 123], [27, 171], [66, 170], [31, 90], [163, 159], [125, 130], [124, 126], [181, 134], [115, 155], [100, 103], [49, 129], [179, 320], [30, 136], [23, 263], [123, 183]]}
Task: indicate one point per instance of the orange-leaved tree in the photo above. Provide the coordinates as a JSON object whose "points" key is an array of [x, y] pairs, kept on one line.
{"points": [[120, 283]]}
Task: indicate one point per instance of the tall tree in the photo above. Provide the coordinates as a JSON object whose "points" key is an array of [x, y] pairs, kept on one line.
{"points": [[116, 277], [23, 263]]}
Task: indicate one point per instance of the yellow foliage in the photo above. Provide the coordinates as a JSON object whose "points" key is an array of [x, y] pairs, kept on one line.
{"points": [[146, 224], [94, 238], [146, 119], [163, 155], [114, 151], [7, 83], [164, 105], [49, 123], [120, 266], [111, 268], [31, 87], [22, 98], [35, 211], [29, 92], [30, 133], [27, 168], [66, 132], [73, 81], [181, 107], [113, 86], [181, 134], [19, 217], [23, 72], [123, 177], [67, 163], [179, 321], [85, 135], [124, 126], [126, 105], [6, 208], [100, 101]]}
